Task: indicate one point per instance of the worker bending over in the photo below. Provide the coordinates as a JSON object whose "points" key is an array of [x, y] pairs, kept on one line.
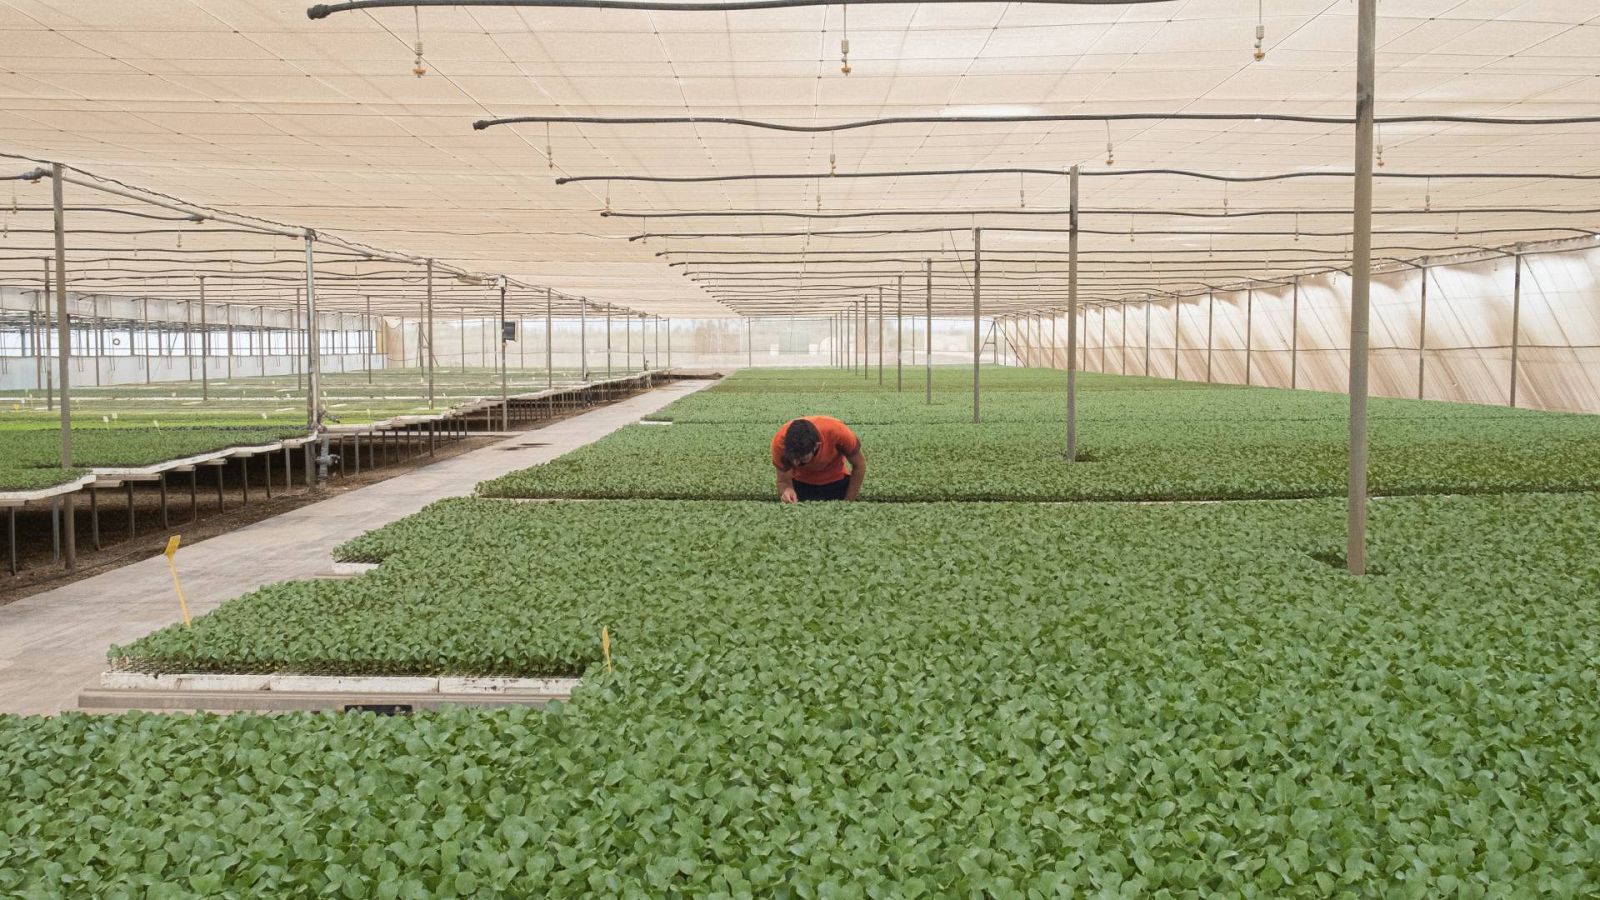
{"points": [[810, 454]]}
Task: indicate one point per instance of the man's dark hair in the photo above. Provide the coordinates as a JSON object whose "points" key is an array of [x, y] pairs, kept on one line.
{"points": [[801, 438]]}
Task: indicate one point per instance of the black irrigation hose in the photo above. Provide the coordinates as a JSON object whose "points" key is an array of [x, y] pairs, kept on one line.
{"points": [[887, 232], [1176, 213], [324, 10], [1096, 173], [1062, 117]]}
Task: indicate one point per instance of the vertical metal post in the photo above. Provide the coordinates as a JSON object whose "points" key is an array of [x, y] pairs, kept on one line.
{"points": [[749, 344], [899, 331], [977, 312], [880, 335], [1294, 337], [1422, 332], [608, 341], [1105, 343], [1072, 317], [227, 313], [205, 346], [1516, 322], [927, 357], [1361, 282], [291, 340], [1147, 304], [49, 372], [583, 339], [188, 336], [866, 339], [1211, 317], [369, 349], [69, 545], [313, 353], [669, 341], [549, 344], [1177, 336], [145, 325], [432, 359], [627, 341], [505, 391], [1122, 349], [1249, 317]]}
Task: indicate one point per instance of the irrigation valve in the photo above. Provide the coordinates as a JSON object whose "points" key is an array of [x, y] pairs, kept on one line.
{"points": [[844, 56]]}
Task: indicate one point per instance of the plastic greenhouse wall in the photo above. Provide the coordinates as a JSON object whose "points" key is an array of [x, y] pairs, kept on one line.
{"points": [[1270, 337]]}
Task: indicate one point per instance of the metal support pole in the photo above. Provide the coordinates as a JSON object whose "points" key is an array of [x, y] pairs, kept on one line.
{"points": [[1422, 332], [977, 313], [291, 340], [1294, 337], [505, 392], [313, 361], [608, 341], [899, 331], [880, 335], [1147, 304], [927, 310], [1249, 314], [1177, 336], [1361, 282], [749, 344], [866, 339], [188, 336], [669, 342], [1072, 317], [1211, 317], [205, 346], [227, 313], [549, 344], [583, 339], [1516, 322], [432, 360], [69, 530], [145, 325]]}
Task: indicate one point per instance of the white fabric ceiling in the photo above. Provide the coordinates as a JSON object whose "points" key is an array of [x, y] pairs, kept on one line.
{"points": [[251, 107]]}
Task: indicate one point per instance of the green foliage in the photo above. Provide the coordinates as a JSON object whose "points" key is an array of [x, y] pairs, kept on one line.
{"points": [[31, 458], [1139, 439], [991, 699]]}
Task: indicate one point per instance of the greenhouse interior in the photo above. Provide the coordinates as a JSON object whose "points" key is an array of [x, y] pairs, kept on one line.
{"points": [[421, 417]]}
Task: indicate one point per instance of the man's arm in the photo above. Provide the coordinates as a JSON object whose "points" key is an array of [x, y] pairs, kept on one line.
{"points": [[786, 487], [858, 472]]}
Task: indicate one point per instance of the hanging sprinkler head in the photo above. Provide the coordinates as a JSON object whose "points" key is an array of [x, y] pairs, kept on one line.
{"points": [[1261, 31], [417, 68], [844, 56]]}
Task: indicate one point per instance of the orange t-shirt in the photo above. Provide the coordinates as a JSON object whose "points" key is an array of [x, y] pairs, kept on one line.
{"points": [[827, 466]]}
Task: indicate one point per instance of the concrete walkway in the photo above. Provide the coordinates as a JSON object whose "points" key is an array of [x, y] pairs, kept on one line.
{"points": [[53, 645]]}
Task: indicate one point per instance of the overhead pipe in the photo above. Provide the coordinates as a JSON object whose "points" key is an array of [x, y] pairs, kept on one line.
{"points": [[1062, 173], [1014, 119], [324, 10]]}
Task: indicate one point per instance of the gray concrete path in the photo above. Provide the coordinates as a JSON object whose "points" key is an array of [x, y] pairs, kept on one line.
{"points": [[53, 645]]}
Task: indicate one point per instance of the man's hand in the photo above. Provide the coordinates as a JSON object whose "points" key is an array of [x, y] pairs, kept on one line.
{"points": [[787, 495]]}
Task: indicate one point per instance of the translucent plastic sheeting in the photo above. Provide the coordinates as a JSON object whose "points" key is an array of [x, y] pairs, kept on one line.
{"points": [[1464, 355]]}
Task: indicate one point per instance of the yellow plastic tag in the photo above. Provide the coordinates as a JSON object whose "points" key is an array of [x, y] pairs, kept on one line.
{"points": [[172, 546], [605, 645]]}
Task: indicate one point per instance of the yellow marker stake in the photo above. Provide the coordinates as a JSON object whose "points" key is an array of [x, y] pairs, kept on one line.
{"points": [[605, 645], [172, 551]]}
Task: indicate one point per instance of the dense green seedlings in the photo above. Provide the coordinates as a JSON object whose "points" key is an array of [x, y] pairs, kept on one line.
{"points": [[1000, 699], [31, 459], [1139, 439]]}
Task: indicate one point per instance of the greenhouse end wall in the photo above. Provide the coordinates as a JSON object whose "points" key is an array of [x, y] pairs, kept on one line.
{"points": [[1298, 334]]}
